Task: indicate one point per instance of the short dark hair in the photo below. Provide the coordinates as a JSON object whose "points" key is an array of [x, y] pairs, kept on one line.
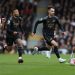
{"points": [[49, 7], [15, 9]]}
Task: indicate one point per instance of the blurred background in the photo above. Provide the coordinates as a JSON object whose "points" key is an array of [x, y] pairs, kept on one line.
{"points": [[31, 11]]}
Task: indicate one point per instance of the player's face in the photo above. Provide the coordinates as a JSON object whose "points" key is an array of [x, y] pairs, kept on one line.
{"points": [[16, 12], [51, 11]]}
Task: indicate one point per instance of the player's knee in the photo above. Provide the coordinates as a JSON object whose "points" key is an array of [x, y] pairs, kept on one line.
{"points": [[56, 44], [19, 42]]}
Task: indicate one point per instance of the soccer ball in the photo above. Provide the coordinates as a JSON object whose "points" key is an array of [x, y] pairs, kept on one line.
{"points": [[72, 61]]}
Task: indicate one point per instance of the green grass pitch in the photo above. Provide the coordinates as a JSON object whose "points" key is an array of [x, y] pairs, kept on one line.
{"points": [[34, 65]]}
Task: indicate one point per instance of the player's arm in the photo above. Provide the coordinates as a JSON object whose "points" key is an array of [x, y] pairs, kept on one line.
{"points": [[21, 29], [9, 26], [59, 25], [20, 25], [36, 24]]}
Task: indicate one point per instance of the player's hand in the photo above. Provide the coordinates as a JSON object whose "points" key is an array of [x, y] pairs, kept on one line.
{"points": [[15, 32], [32, 34]]}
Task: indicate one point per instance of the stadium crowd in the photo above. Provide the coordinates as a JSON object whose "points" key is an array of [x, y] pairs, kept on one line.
{"points": [[64, 10]]}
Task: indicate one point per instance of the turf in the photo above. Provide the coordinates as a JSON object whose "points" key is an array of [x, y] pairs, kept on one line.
{"points": [[34, 65]]}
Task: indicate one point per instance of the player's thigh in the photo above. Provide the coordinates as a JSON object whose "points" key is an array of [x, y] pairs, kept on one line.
{"points": [[19, 42], [48, 45], [54, 43], [48, 39]]}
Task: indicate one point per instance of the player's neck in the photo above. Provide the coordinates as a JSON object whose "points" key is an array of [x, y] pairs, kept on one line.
{"points": [[50, 15]]}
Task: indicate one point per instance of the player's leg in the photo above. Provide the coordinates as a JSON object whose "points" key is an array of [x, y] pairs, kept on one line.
{"points": [[48, 53], [20, 50], [36, 49], [9, 42], [55, 44], [44, 48]]}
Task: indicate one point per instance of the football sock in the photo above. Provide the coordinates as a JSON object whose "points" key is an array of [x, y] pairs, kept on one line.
{"points": [[43, 49], [56, 52], [20, 50]]}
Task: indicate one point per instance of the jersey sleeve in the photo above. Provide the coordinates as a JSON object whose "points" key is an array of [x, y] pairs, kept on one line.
{"points": [[20, 25], [9, 26], [36, 24], [59, 24]]}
